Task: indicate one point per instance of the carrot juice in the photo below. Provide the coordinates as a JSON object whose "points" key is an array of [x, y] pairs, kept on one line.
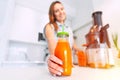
{"points": [[63, 52], [82, 59]]}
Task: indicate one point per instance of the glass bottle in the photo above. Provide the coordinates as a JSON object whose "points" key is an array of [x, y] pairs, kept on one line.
{"points": [[63, 52]]}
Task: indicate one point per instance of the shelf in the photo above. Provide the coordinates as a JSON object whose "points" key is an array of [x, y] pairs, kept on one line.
{"points": [[28, 42]]}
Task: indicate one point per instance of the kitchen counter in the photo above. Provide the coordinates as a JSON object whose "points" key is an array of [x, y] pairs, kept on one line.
{"points": [[41, 73]]}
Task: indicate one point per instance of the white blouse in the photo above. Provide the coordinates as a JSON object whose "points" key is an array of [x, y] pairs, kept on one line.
{"points": [[66, 29]]}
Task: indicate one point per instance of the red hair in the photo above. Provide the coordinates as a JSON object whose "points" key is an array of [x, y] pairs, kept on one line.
{"points": [[52, 18]]}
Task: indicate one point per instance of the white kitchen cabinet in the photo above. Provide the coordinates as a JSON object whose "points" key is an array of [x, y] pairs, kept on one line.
{"points": [[26, 52]]}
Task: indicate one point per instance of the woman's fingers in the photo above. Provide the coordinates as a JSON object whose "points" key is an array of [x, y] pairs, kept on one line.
{"points": [[55, 70], [55, 59], [54, 65]]}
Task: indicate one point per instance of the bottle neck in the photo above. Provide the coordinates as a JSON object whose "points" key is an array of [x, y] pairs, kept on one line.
{"points": [[63, 39]]}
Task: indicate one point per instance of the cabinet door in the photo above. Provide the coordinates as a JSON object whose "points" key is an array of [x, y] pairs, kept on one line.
{"points": [[27, 24]]}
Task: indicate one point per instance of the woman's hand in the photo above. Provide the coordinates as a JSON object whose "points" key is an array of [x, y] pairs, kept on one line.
{"points": [[54, 65]]}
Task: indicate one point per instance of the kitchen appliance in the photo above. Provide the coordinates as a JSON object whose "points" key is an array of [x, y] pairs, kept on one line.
{"points": [[97, 43]]}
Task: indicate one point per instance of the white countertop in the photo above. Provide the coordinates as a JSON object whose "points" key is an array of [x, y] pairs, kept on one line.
{"points": [[41, 73]]}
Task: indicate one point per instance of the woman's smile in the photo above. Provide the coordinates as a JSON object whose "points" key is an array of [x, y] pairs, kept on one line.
{"points": [[59, 12]]}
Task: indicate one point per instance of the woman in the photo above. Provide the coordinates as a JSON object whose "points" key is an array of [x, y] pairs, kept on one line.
{"points": [[57, 18]]}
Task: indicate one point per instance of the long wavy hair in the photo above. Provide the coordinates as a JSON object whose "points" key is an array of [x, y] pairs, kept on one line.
{"points": [[52, 18]]}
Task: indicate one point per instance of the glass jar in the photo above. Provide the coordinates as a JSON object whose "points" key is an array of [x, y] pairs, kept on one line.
{"points": [[97, 53], [82, 59], [63, 52]]}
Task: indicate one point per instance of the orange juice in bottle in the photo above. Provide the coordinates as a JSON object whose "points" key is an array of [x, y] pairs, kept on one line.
{"points": [[63, 52]]}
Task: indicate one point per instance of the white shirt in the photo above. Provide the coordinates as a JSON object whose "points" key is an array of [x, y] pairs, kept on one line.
{"points": [[66, 29]]}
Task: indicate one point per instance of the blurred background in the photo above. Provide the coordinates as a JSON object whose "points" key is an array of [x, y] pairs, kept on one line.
{"points": [[22, 23]]}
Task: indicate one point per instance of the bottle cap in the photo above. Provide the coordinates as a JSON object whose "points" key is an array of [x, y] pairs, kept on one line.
{"points": [[63, 34]]}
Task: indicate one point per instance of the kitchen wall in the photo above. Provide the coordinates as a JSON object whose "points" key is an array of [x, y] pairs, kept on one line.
{"points": [[83, 22], [80, 33]]}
